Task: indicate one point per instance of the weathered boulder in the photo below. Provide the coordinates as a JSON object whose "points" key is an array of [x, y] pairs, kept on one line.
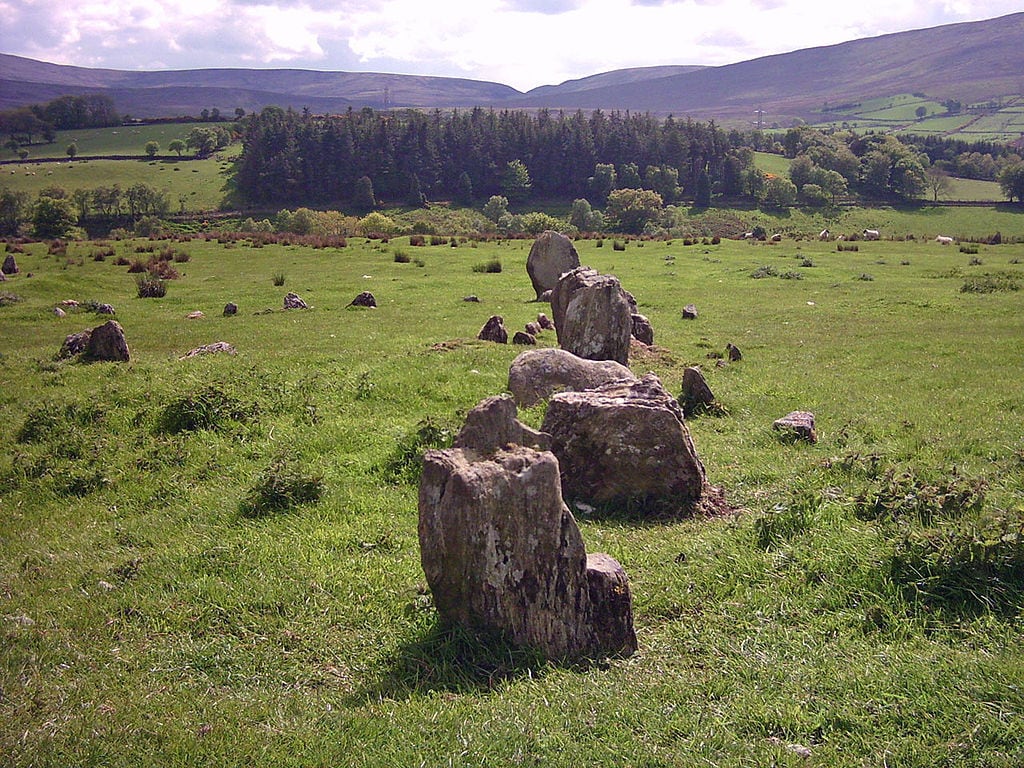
{"points": [[690, 312], [74, 344], [472, 298], [364, 299], [524, 338], [294, 301], [502, 553], [215, 348], [625, 443], [798, 425], [533, 329], [494, 330], [696, 394], [493, 424], [59, 312], [10, 266], [104, 309], [593, 316], [230, 309], [545, 322], [197, 315], [552, 254], [107, 343], [733, 352], [642, 331], [537, 374]]}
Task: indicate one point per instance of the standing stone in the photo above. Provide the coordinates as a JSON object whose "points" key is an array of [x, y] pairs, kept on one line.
{"points": [[493, 425], [10, 266], [592, 314], [230, 309], [690, 312], [502, 553], [293, 301], [533, 329], [733, 352], [494, 330], [625, 443], [643, 331], [107, 343], [539, 373], [364, 299], [798, 425], [696, 394], [545, 322], [552, 254], [524, 338]]}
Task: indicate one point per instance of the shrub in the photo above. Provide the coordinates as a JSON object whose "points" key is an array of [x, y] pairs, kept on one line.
{"points": [[993, 283], [7, 298], [492, 266], [972, 568], [618, 245], [150, 287], [401, 257], [895, 496], [764, 271], [865, 276], [806, 262], [283, 486], [211, 408], [847, 247], [278, 279], [405, 463], [417, 239], [792, 275]]}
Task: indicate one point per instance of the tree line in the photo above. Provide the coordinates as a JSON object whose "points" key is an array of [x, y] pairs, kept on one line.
{"points": [[471, 155]]}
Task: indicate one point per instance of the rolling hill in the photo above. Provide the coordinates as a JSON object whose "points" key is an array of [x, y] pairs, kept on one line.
{"points": [[968, 62]]}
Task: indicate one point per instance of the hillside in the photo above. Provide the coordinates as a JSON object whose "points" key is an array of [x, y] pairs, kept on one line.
{"points": [[969, 62]]}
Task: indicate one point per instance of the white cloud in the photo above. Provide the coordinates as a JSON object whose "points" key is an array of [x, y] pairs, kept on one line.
{"points": [[523, 43]]}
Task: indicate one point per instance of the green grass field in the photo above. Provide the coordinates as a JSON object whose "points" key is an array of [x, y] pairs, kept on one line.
{"points": [[864, 603]]}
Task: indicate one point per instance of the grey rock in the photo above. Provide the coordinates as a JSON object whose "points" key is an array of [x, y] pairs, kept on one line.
{"points": [[696, 394], [798, 425], [690, 312], [551, 255], [493, 424], [107, 343], [625, 443], [10, 266], [592, 315], [524, 338], [642, 331], [502, 553], [230, 309], [217, 347], [364, 299], [537, 374], [294, 301]]}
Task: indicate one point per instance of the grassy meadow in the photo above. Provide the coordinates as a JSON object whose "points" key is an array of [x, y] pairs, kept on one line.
{"points": [[214, 560]]}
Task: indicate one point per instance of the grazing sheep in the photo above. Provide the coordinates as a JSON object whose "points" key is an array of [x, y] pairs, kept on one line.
{"points": [[943, 240], [870, 234]]}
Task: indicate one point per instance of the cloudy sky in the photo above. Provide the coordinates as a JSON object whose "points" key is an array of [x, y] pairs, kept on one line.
{"points": [[521, 43]]}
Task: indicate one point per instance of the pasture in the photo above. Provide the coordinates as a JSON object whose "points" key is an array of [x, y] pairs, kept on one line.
{"points": [[862, 603]]}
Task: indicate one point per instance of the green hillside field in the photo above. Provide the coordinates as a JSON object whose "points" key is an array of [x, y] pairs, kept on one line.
{"points": [[214, 560]]}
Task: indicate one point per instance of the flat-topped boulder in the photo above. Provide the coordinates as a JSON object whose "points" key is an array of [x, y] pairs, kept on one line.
{"points": [[625, 443], [537, 374]]}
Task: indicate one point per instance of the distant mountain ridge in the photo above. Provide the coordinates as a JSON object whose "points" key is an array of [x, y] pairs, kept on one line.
{"points": [[971, 61]]}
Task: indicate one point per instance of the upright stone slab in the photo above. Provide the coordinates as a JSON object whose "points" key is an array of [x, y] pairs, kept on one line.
{"points": [[494, 330], [593, 315], [625, 443], [696, 394], [501, 552], [552, 254], [107, 343], [10, 266]]}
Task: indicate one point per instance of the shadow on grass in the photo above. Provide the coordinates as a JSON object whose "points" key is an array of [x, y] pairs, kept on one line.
{"points": [[451, 659], [454, 660]]}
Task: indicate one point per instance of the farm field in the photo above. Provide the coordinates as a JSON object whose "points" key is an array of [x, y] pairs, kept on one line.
{"points": [[123, 140], [862, 603]]}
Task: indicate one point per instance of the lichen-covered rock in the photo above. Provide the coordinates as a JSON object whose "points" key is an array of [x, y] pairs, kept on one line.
{"points": [[217, 347], [798, 425], [539, 373], [493, 424], [625, 443], [74, 344], [552, 254], [502, 553], [524, 338], [593, 315], [294, 301], [642, 331], [10, 266]]}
